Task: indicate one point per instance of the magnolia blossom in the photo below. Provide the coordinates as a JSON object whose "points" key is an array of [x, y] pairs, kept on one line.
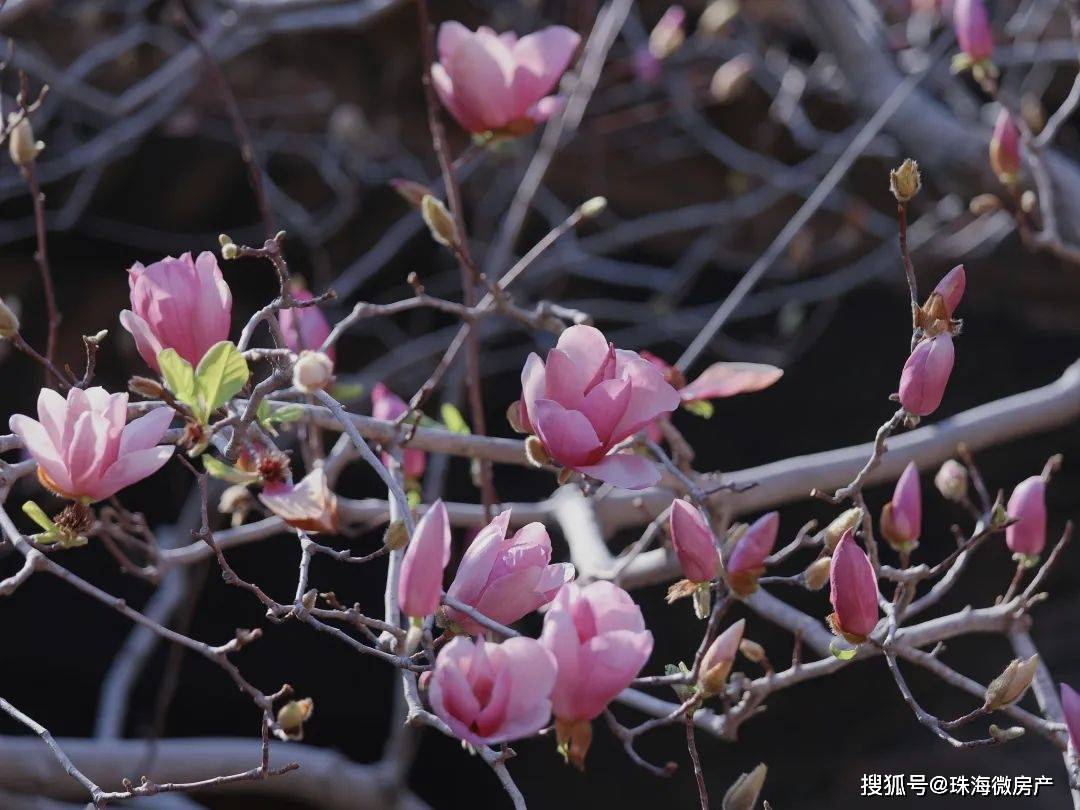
{"points": [[1028, 505], [587, 398], [388, 406], [426, 556], [84, 449], [1070, 705], [179, 304], [504, 577], [693, 542], [493, 693], [951, 288], [498, 83], [600, 643], [853, 591], [716, 663], [308, 505], [746, 562], [926, 373], [901, 519], [973, 32], [1005, 148], [305, 327]]}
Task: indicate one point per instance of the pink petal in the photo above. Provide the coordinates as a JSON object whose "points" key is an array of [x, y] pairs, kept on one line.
{"points": [[52, 413], [728, 379], [148, 346], [611, 660], [605, 405], [131, 468], [564, 380], [451, 34], [146, 431], [624, 470], [481, 69], [587, 347], [567, 435], [651, 394], [533, 388], [546, 108], [542, 58], [475, 567], [40, 445]]}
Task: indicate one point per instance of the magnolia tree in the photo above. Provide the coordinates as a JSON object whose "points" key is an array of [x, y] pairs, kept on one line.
{"points": [[246, 413]]}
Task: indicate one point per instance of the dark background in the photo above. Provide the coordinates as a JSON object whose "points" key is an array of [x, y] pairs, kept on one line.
{"points": [[818, 738]]}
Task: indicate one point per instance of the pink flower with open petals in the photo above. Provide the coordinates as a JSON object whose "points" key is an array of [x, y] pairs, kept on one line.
{"points": [[83, 447], [587, 398], [388, 406], [180, 304], [505, 578], [600, 643], [305, 327], [426, 556], [498, 83], [493, 693]]}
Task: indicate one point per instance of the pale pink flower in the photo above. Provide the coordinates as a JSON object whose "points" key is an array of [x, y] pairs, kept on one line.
{"points": [[179, 304], [901, 519], [388, 406], [951, 288], [1005, 148], [973, 32], [693, 542], [305, 327], [747, 559], [310, 505], [600, 643], [498, 83], [589, 397], [926, 373], [83, 447], [1028, 504], [853, 591], [492, 693], [426, 556], [504, 577]]}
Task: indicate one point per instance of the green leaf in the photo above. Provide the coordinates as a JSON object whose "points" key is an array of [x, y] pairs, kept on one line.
{"points": [[453, 419], [37, 514], [178, 374], [226, 472], [700, 407], [286, 413], [843, 653], [347, 392], [221, 374]]}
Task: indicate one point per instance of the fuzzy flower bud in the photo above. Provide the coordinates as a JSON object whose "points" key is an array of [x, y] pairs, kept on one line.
{"points": [[716, 665], [21, 144], [9, 321], [744, 793], [1005, 149], [846, 520], [669, 33], [817, 573], [292, 716], [312, 371], [1010, 685], [439, 221], [952, 480], [905, 180]]}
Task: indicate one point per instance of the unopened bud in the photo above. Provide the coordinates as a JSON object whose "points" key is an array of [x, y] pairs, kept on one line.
{"points": [[1029, 201], [439, 221], [313, 371], [817, 573], [669, 33], [236, 498], [21, 144], [229, 251], [716, 17], [752, 650], [999, 517], [848, 519], [409, 190], [1004, 735], [224, 239], [146, 387], [536, 452], [397, 536], [593, 207], [984, 204], [1010, 685], [951, 480], [743, 795], [292, 716], [731, 79], [905, 180], [9, 321]]}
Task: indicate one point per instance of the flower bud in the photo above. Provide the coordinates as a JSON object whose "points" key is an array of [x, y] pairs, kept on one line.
{"points": [[925, 375], [951, 288], [439, 221], [716, 17], [593, 207], [1027, 504], [1010, 685], [731, 79], [753, 651], [669, 33], [901, 519], [409, 190], [817, 573], [292, 716], [693, 542], [848, 519], [397, 536], [973, 32], [236, 498], [716, 665], [1004, 735], [743, 795], [9, 321], [746, 562], [905, 180], [853, 591], [21, 144], [982, 204], [312, 371], [1005, 149], [146, 387], [952, 480]]}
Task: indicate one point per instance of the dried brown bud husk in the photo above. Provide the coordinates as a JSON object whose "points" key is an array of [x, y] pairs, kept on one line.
{"points": [[1010, 685], [984, 204], [412, 192], [397, 536], [439, 221], [146, 387], [513, 416], [536, 452], [21, 144], [816, 575], [292, 716], [574, 738], [743, 795], [9, 321], [681, 590], [905, 181]]}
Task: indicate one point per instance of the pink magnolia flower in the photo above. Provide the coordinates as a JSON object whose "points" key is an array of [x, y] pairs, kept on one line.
{"points": [[951, 288], [305, 327], [493, 693], [505, 578], [1005, 148], [83, 447], [925, 375], [498, 83], [901, 519], [310, 505], [973, 32], [853, 591], [388, 406], [587, 398], [426, 556], [693, 542], [1028, 504], [718, 659], [1070, 704], [600, 644], [747, 559], [180, 304]]}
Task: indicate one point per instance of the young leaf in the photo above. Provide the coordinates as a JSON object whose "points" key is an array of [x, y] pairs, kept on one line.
{"points": [[453, 419], [178, 374], [843, 653], [699, 407], [37, 514], [221, 374], [219, 469]]}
